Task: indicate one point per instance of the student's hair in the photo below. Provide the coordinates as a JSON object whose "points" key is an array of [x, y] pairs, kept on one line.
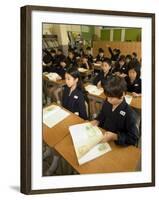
{"points": [[122, 58], [128, 56], [60, 50], [136, 66], [47, 59], [115, 86], [71, 51], [88, 48], [134, 54], [100, 50], [52, 51], [76, 74], [107, 60]]}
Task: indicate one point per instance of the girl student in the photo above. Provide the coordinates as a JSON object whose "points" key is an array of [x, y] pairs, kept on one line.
{"points": [[99, 81], [133, 79], [74, 94]]}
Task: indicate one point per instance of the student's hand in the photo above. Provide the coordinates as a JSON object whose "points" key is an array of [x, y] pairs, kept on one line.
{"points": [[94, 122], [99, 85], [123, 75], [135, 94], [109, 136]]}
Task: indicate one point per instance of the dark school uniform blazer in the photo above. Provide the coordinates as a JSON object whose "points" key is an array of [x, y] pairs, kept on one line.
{"points": [[74, 102], [135, 86], [98, 58], [121, 121], [101, 77], [59, 70]]}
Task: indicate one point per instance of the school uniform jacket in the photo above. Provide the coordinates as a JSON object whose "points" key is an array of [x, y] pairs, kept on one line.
{"points": [[114, 57], [74, 102], [135, 86], [98, 58], [59, 70], [71, 63], [120, 121], [101, 77], [121, 69]]}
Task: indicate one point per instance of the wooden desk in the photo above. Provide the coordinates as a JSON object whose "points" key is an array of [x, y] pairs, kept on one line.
{"points": [[59, 83], [120, 159], [55, 134], [136, 101], [86, 73]]}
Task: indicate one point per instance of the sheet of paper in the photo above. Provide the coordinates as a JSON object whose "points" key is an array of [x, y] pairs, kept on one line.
{"points": [[82, 69], [53, 114], [128, 99], [53, 76], [85, 136], [92, 89], [99, 150], [97, 64]]}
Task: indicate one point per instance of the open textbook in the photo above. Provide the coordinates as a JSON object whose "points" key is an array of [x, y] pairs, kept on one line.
{"points": [[53, 114], [92, 89], [86, 138]]}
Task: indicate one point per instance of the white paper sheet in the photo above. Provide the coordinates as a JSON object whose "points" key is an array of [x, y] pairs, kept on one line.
{"points": [[53, 76], [82, 69], [92, 89], [53, 114], [128, 99]]}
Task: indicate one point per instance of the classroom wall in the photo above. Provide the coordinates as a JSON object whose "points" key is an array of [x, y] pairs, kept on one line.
{"points": [[125, 47]]}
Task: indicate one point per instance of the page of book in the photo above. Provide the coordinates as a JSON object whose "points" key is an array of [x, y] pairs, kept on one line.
{"points": [[80, 69], [128, 99], [92, 89], [85, 136], [54, 114], [99, 150]]}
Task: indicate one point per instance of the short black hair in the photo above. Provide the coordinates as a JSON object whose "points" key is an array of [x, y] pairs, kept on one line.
{"points": [[88, 48], [59, 49], [115, 86], [134, 54], [100, 50], [107, 60], [136, 66], [122, 58], [47, 59], [53, 51]]}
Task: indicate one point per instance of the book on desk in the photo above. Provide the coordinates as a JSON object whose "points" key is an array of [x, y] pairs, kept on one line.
{"points": [[86, 140]]}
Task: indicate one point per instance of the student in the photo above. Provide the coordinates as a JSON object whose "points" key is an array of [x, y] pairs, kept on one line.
{"points": [[47, 63], [54, 92], [53, 56], [100, 80], [89, 54], [104, 74], [114, 53], [85, 63], [73, 97], [71, 60], [133, 80], [100, 56], [59, 56], [120, 67], [134, 56], [116, 116]]}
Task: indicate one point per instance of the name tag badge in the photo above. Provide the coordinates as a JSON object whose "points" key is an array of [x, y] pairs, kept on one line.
{"points": [[122, 113], [75, 97], [136, 85]]}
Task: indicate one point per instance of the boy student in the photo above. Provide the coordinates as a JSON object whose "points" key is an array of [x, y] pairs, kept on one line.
{"points": [[100, 80], [116, 116], [100, 56], [85, 63], [114, 54], [121, 67], [59, 56], [89, 54]]}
